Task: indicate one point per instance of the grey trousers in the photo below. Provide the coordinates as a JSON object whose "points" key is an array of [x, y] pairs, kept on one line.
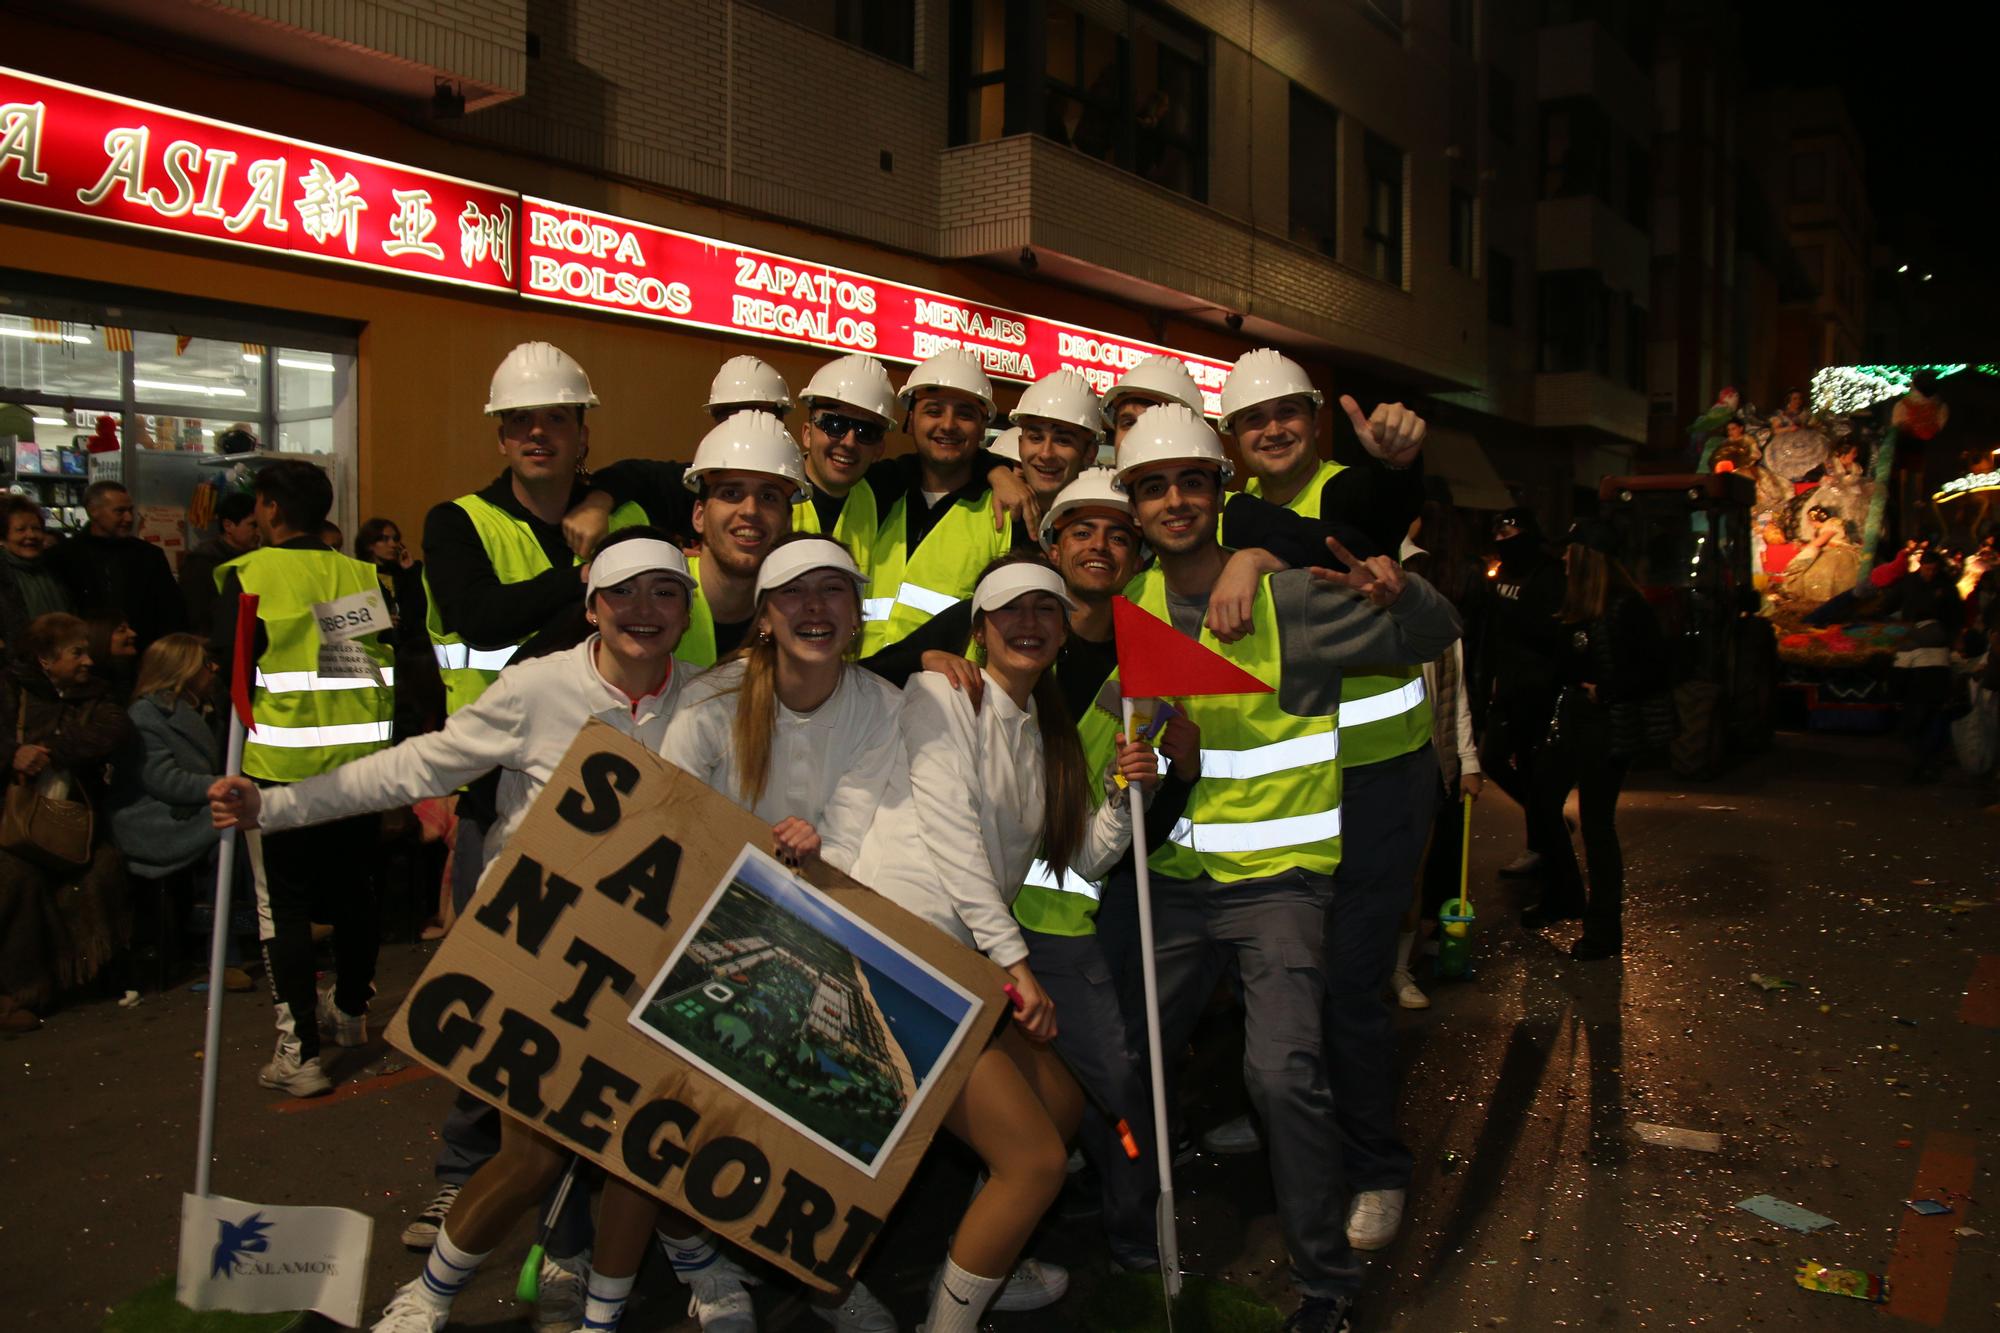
{"points": [[1092, 1039], [1270, 933]]}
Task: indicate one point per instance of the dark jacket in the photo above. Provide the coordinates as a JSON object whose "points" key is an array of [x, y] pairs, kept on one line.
{"points": [[198, 568], [159, 787], [82, 730], [125, 575], [15, 615], [1623, 656]]}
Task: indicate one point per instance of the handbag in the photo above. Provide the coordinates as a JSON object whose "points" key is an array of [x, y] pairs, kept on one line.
{"points": [[38, 826]]}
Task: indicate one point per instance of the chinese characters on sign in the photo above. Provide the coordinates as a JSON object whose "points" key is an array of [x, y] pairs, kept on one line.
{"points": [[69, 150]]}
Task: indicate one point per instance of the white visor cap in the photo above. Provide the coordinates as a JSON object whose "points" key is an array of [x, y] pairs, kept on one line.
{"points": [[1008, 582], [795, 559], [642, 555]]}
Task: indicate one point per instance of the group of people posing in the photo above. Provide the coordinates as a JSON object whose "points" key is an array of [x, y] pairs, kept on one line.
{"points": [[903, 665]]}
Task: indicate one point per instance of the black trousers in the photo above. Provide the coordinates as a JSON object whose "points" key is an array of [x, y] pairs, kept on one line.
{"points": [[319, 873], [1447, 848], [1507, 753], [1580, 760]]}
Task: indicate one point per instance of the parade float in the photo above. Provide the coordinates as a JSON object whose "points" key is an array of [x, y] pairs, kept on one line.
{"points": [[1821, 476]]}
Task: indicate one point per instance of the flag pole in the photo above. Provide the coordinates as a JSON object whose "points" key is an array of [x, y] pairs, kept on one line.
{"points": [[1163, 1153], [225, 867]]}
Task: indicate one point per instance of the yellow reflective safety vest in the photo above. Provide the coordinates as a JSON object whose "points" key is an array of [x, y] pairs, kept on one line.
{"points": [[1268, 799], [310, 716], [1068, 906], [906, 588], [697, 645], [855, 528], [517, 557], [1384, 712]]}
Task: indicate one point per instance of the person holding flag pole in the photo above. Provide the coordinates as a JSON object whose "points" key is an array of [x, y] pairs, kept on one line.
{"points": [[637, 595], [1244, 881], [986, 789]]}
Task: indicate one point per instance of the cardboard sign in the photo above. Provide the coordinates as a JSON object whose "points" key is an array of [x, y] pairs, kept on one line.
{"points": [[769, 1056]]}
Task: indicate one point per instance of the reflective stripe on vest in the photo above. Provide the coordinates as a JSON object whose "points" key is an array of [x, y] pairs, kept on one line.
{"points": [[516, 556], [303, 723], [912, 586], [1069, 906], [283, 682], [855, 527], [1271, 801], [1383, 710]]}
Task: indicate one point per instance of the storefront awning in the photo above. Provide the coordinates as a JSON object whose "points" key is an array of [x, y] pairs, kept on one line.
{"points": [[1457, 457]]}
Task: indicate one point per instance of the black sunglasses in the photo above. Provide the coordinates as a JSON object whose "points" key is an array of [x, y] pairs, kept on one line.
{"points": [[834, 426]]}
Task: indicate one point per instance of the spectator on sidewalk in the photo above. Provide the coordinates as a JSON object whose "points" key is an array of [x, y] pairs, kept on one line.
{"points": [[1928, 602], [109, 569], [59, 927], [236, 534], [1610, 671], [29, 583], [1516, 664]]}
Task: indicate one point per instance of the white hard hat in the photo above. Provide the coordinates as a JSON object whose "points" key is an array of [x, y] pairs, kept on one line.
{"points": [[1063, 395], [538, 375], [748, 442], [749, 381], [1170, 433], [857, 382], [1007, 444], [1164, 376], [1094, 488], [953, 368], [1260, 376]]}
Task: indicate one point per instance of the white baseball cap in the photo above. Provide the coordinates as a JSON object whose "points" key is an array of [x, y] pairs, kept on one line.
{"points": [[641, 555], [1008, 582], [794, 559]]}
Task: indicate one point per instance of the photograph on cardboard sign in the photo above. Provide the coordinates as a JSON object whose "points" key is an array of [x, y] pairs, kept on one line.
{"points": [[806, 1010]]}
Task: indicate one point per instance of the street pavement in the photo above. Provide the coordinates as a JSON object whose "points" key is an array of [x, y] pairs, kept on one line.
{"points": [[1870, 1082]]}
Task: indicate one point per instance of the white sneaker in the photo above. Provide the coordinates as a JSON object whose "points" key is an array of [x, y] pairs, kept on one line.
{"points": [[409, 1312], [422, 1231], [1405, 987], [1373, 1220], [721, 1297], [559, 1308], [287, 1073], [859, 1313], [1233, 1136], [1033, 1285], [337, 1025]]}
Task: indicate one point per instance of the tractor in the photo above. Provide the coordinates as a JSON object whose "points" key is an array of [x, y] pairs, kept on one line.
{"points": [[1685, 538]]}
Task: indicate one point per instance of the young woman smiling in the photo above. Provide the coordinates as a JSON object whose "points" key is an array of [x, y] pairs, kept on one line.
{"points": [[625, 674], [952, 841], [790, 730]]}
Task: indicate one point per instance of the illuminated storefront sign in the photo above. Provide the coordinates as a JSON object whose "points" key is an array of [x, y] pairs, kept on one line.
{"points": [[578, 257], [1972, 483], [68, 150], [71, 151]]}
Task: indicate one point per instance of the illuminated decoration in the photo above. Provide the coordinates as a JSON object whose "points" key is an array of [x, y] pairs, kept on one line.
{"points": [[1843, 389], [75, 152], [1972, 483]]}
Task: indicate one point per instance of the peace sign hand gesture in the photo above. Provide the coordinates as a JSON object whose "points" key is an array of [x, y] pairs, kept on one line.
{"points": [[1379, 580], [1393, 434]]}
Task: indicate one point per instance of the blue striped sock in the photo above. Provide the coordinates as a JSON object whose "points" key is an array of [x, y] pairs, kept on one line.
{"points": [[604, 1301], [689, 1255], [447, 1271]]}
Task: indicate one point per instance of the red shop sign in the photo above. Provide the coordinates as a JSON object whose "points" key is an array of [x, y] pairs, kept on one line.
{"points": [[574, 256], [69, 150]]}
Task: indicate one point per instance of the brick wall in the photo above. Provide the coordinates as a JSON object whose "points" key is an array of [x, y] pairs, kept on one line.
{"points": [[480, 41]]}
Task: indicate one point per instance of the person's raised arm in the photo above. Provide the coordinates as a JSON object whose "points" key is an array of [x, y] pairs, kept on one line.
{"points": [[946, 633]]}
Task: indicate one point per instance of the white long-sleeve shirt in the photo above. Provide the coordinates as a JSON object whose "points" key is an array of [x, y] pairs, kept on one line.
{"points": [[522, 725], [1462, 742], [828, 767], [956, 832]]}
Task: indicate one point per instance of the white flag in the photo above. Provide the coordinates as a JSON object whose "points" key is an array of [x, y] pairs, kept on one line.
{"points": [[259, 1259]]}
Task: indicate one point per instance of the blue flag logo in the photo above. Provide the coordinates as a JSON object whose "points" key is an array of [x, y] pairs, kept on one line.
{"points": [[238, 1239]]}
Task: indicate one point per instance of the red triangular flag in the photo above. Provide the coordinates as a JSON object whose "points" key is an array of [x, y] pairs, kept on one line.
{"points": [[1157, 661], [243, 662]]}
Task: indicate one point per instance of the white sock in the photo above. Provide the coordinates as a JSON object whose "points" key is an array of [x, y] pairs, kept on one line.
{"points": [[1404, 943], [689, 1255], [961, 1298], [604, 1300], [446, 1272]]}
